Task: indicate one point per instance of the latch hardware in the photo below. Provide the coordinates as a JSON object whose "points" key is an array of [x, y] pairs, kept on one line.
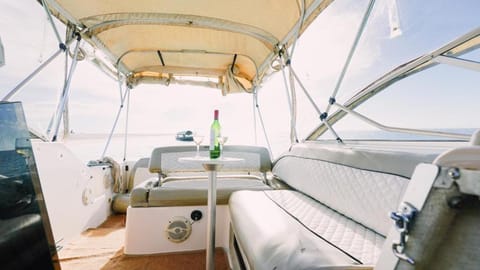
{"points": [[403, 220]]}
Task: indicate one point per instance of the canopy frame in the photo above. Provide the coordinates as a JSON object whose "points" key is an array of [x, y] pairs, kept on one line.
{"points": [[93, 25], [447, 54]]}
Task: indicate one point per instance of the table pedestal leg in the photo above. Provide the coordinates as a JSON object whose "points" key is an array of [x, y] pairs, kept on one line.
{"points": [[212, 202]]}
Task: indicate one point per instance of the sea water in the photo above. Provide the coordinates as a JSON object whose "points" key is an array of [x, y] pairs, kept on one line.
{"points": [[91, 147]]}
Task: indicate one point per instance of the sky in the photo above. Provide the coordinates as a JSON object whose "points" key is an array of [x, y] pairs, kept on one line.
{"points": [[319, 56]]}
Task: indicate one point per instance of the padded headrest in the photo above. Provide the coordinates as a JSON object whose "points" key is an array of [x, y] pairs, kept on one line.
{"points": [[463, 157], [165, 159]]}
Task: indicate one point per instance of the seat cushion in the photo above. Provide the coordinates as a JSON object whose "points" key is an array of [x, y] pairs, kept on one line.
{"points": [[190, 192], [363, 195], [293, 231]]}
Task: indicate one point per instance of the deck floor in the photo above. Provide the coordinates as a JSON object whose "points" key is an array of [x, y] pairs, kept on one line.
{"points": [[102, 248]]}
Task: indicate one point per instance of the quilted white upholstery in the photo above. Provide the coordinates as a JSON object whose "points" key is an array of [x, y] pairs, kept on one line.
{"points": [[397, 162], [364, 196], [271, 239], [353, 238], [341, 202]]}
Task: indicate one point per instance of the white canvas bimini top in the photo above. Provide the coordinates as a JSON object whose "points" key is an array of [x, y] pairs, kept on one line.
{"points": [[231, 42]]}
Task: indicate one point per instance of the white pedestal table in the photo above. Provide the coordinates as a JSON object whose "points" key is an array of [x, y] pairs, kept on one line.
{"points": [[211, 166]]}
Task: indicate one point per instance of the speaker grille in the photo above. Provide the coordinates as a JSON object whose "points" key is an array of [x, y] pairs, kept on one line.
{"points": [[178, 229]]}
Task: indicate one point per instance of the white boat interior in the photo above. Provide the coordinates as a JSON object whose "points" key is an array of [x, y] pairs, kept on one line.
{"points": [[351, 136]]}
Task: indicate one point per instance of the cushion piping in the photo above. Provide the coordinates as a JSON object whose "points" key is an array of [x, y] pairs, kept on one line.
{"points": [[312, 231]]}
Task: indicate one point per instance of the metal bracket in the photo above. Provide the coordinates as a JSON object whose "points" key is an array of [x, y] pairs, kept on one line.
{"points": [[468, 181], [403, 220], [446, 178]]}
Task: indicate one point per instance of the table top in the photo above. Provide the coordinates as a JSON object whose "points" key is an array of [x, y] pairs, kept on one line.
{"points": [[208, 160]]}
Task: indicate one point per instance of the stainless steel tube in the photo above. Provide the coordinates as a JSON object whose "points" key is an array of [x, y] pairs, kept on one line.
{"points": [[212, 203]]}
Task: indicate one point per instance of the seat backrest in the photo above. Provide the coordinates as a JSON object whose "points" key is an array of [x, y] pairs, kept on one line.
{"points": [[164, 160], [467, 157], [362, 185], [139, 172]]}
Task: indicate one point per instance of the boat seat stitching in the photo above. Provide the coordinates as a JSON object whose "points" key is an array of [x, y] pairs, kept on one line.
{"points": [[312, 231], [341, 164]]}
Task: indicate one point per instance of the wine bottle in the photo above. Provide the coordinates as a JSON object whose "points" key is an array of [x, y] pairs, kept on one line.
{"points": [[214, 134]]}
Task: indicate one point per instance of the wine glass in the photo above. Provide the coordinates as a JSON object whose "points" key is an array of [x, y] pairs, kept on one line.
{"points": [[222, 140], [198, 139]]}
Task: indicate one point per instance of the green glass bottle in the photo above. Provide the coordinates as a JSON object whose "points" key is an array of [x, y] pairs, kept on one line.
{"points": [[214, 134]]}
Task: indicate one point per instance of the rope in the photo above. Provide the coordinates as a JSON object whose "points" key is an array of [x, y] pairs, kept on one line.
{"points": [[118, 181]]}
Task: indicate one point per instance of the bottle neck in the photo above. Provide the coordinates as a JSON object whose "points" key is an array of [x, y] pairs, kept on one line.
{"points": [[215, 115]]}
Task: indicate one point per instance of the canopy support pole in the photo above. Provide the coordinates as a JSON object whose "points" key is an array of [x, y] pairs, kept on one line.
{"points": [[66, 116], [293, 118], [62, 48], [49, 16], [458, 62], [350, 54], [260, 118], [52, 119], [290, 91], [66, 90], [402, 130], [300, 22], [321, 114], [287, 90], [122, 101], [14, 91], [126, 125], [286, 62], [66, 123], [254, 103]]}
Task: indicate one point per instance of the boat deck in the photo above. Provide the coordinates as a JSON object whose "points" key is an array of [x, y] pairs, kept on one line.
{"points": [[102, 248]]}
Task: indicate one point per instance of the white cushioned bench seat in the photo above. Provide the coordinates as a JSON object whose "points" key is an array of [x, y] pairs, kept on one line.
{"points": [[184, 184], [288, 230], [336, 216], [189, 192]]}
